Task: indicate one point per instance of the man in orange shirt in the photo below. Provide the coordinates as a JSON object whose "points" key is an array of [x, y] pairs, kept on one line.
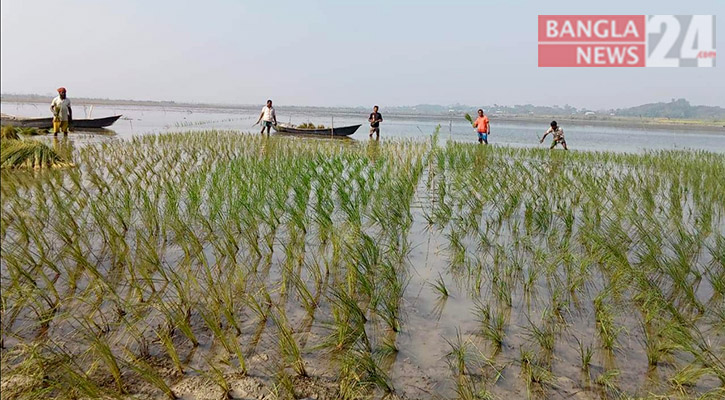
{"points": [[482, 127]]}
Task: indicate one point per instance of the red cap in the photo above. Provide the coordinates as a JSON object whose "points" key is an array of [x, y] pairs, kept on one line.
{"points": [[61, 89]]}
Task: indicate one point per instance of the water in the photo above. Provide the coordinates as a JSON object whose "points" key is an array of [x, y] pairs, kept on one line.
{"points": [[580, 136]]}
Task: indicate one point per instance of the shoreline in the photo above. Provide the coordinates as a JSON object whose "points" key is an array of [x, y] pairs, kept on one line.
{"points": [[596, 120]]}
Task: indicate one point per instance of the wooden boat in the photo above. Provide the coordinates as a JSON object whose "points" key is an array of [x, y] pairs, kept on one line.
{"points": [[341, 131], [47, 123]]}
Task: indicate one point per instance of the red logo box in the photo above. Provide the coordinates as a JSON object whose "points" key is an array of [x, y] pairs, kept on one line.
{"points": [[592, 40]]}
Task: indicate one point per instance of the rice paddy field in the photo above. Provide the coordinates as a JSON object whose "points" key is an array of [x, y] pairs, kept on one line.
{"points": [[218, 265]]}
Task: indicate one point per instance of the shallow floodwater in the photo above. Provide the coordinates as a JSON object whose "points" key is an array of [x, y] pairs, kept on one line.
{"points": [[145, 120]]}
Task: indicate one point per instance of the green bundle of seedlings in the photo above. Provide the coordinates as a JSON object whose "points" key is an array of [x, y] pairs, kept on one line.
{"points": [[29, 154]]}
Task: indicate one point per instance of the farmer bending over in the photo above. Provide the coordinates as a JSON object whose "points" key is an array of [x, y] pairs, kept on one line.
{"points": [[558, 135]]}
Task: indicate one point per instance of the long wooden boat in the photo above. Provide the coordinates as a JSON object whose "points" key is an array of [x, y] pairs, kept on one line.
{"points": [[47, 123], [341, 131]]}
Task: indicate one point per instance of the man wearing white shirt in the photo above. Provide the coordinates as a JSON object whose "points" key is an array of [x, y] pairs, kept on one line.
{"points": [[268, 117], [62, 113]]}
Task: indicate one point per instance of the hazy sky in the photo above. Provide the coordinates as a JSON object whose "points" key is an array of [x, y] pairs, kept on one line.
{"points": [[328, 53]]}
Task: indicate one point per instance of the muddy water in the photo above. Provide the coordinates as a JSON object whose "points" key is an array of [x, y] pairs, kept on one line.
{"points": [[144, 120]]}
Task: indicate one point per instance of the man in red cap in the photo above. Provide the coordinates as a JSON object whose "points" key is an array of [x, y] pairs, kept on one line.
{"points": [[62, 113]]}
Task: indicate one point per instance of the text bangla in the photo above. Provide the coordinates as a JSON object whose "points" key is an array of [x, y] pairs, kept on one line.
{"points": [[602, 29]]}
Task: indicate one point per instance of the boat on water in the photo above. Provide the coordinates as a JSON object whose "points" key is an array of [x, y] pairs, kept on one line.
{"points": [[47, 122], [339, 131]]}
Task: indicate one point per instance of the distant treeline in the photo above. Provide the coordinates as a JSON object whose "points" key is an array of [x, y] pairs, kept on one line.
{"points": [[679, 109]]}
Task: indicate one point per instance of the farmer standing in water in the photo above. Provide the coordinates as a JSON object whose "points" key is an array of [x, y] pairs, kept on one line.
{"points": [[375, 119], [482, 127], [558, 135], [268, 117], [62, 113]]}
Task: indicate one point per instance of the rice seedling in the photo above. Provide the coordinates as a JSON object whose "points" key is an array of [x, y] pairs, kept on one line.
{"points": [[535, 375], [288, 344], [606, 327], [585, 355], [360, 372], [494, 330], [148, 373], [687, 377], [439, 285], [545, 336], [608, 380]]}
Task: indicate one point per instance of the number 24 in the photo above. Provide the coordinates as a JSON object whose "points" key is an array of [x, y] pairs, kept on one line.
{"points": [[700, 28]]}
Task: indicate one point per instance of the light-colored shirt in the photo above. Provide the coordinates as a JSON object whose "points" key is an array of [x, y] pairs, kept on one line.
{"points": [[61, 107], [558, 133], [481, 124], [268, 114]]}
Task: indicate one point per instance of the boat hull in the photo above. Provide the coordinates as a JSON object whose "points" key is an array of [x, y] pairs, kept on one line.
{"points": [[47, 123], [341, 131]]}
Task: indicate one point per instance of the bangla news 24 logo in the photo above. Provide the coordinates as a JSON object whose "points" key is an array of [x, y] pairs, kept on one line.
{"points": [[627, 41]]}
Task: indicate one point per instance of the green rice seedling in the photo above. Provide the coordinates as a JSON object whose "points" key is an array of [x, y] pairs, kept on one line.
{"points": [[288, 344], [495, 331], [360, 371], [585, 355], [148, 373], [545, 336], [606, 328], [482, 312], [349, 323], [303, 293], [168, 343], [687, 377], [216, 375], [439, 285], [533, 372], [714, 394], [503, 291], [389, 310], [388, 346], [212, 318], [458, 354], [284, 387], [608, 380], [658, 345], [102, 349]]}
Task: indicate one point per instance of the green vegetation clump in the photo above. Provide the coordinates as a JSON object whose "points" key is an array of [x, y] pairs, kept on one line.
{"points": [[310, 125], [9, 132], [18, 153]]}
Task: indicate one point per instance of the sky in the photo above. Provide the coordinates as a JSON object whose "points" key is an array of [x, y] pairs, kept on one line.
{"points": [[328, 53]]}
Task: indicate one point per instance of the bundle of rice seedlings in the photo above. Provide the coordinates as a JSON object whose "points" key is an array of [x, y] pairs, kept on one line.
{"points": [[9, 132], [29, 154], [29, 131], [468, 118]]}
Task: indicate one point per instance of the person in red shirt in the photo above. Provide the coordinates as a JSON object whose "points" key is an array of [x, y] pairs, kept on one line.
{"points": [[482, 127]]}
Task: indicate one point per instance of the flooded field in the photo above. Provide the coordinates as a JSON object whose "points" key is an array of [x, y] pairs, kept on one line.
{"points": [[212, 264], [143, 120]]}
